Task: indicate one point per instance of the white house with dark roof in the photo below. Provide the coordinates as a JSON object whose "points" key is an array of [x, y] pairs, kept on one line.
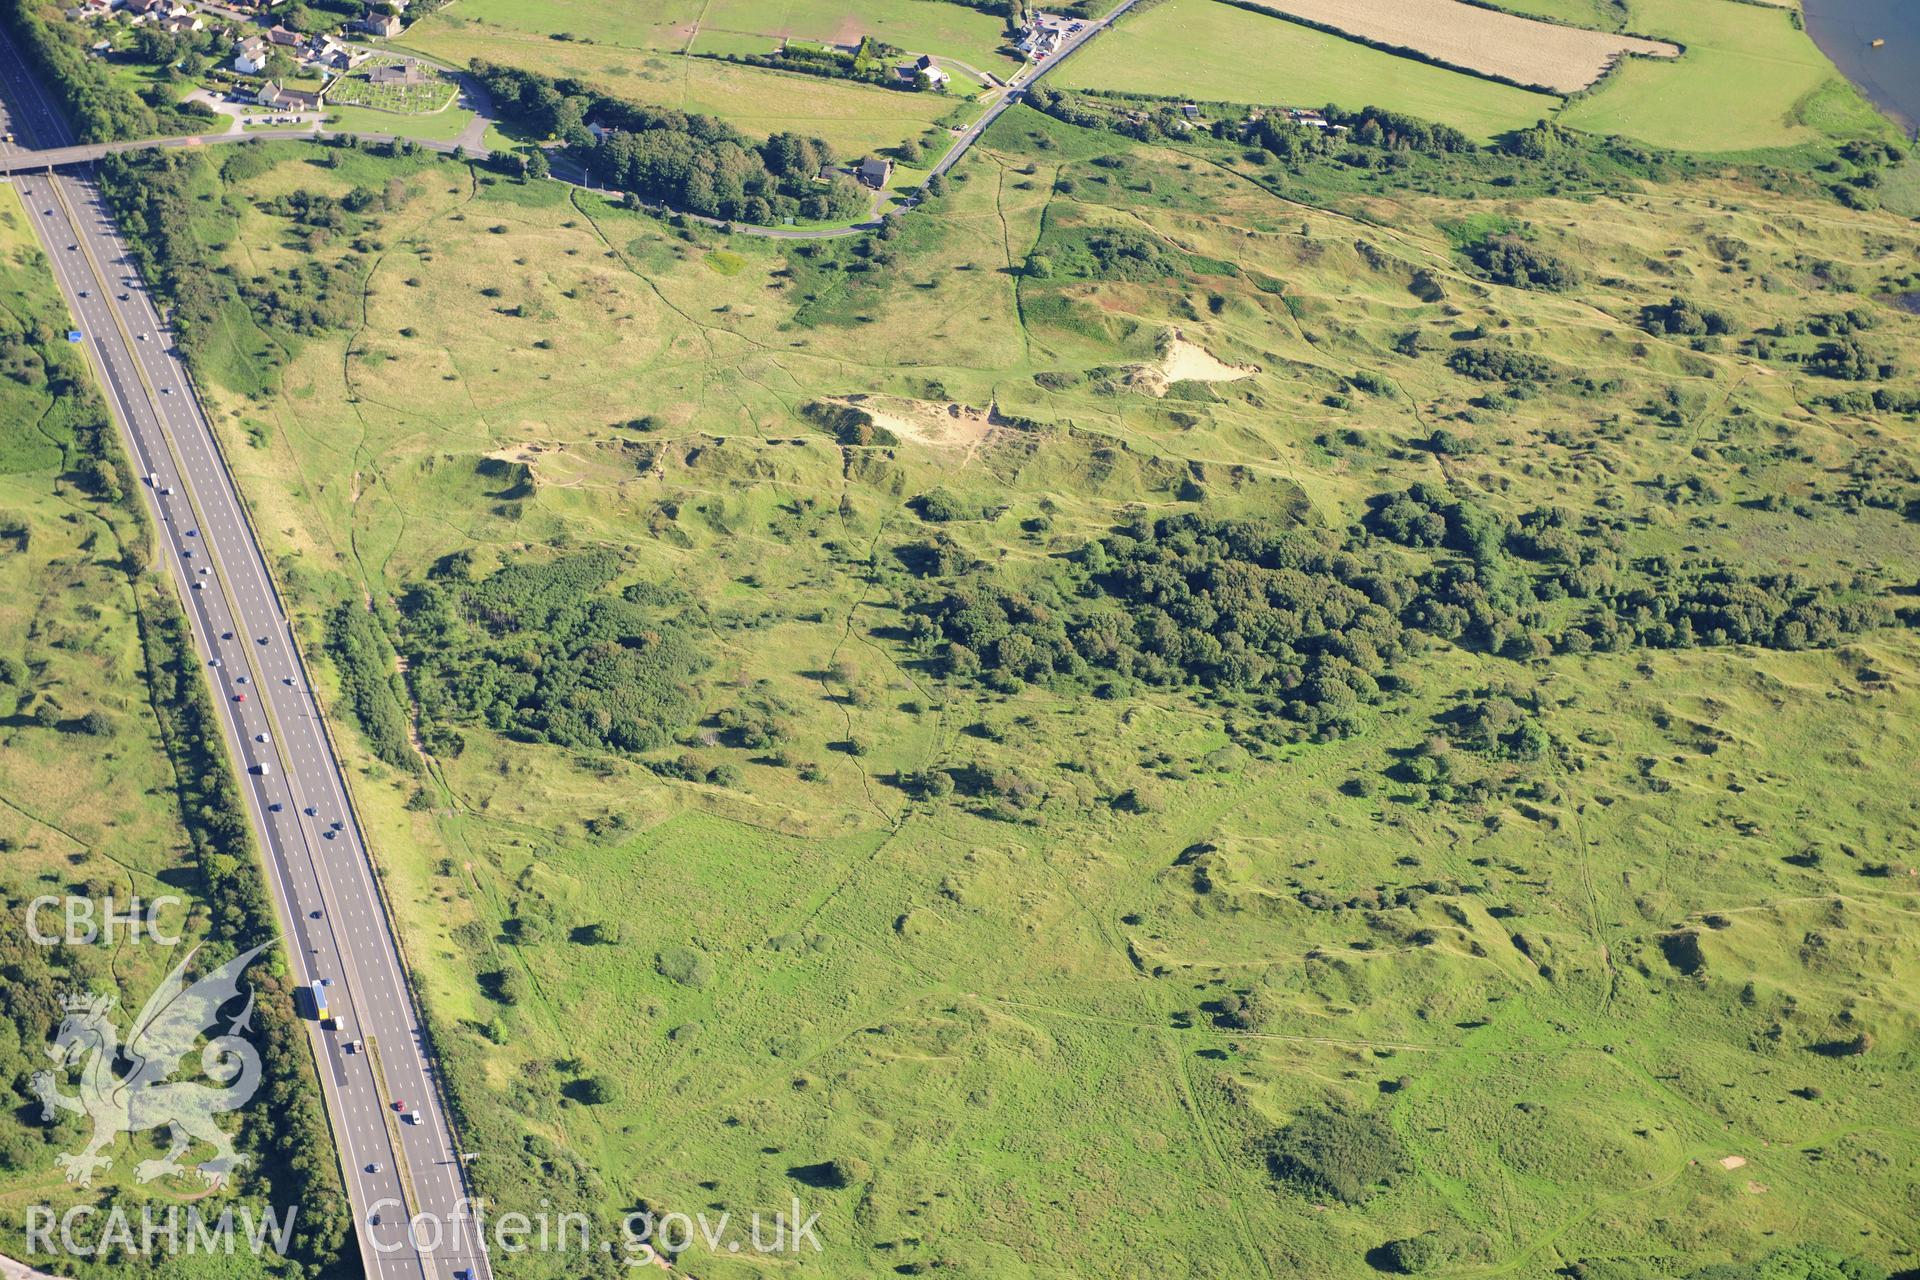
{"points": [[924, 65]]}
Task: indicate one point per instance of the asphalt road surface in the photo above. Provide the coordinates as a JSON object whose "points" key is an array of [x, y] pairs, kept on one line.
{"points": [[322, 879], [1024, 80]]}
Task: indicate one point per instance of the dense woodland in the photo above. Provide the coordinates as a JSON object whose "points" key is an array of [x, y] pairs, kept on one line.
{"points": [[540, 652], [690, 163], [1304, 627]]}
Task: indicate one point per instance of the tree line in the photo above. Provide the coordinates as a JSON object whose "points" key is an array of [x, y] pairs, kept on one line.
{"points": [[689, 162], [1302, 626], [99, 109]]}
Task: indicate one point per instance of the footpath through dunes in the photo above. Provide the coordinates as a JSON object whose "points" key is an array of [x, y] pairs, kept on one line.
{"points": [[1525, 51]]}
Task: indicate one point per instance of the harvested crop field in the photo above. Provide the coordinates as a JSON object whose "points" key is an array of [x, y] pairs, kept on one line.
{"points": [[1541, 54]]}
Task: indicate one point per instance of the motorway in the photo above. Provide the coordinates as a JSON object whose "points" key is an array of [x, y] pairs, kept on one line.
{"points": [[321, 875]]}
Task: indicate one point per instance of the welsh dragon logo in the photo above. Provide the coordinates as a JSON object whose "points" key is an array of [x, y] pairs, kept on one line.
{"points": [[142, 1095]]}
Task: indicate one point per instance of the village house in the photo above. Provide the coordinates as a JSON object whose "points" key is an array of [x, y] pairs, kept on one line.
{"points": [[924, 65], [285, 39], [874, 172], [1045, 33], [325, 51], [89, 9], [278, 97], [181, 23], [380, 24], [250, 56]]}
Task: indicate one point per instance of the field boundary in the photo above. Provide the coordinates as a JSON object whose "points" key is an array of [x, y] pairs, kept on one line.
{"points": [[1433, 60]]}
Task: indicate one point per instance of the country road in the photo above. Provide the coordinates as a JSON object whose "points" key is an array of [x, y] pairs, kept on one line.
{"points": [[324, 883], [66, 152]]}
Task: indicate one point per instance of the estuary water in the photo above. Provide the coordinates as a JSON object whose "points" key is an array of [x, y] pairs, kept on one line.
{"points": [[1890, 75]]}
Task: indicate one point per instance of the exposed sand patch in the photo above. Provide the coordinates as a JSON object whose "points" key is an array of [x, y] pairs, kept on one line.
{"points": [[1733, 1162], [527, 452], [925, 422], [1185, 361], [1523, 50]]}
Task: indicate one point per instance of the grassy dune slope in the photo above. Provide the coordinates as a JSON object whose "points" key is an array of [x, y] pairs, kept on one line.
{"points": [[1055, 1015]]}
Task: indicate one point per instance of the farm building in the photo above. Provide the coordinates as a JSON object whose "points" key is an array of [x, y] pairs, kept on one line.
{"points": [[874, 172]]}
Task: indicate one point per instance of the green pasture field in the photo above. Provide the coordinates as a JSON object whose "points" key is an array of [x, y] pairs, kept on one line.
{"points": [[700, 975], [721, 44], [917, 26], [1601, 15], [1205, 49], [854, 118], [923, 26], [434, 126], [1750, 79], [645, 24]]}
